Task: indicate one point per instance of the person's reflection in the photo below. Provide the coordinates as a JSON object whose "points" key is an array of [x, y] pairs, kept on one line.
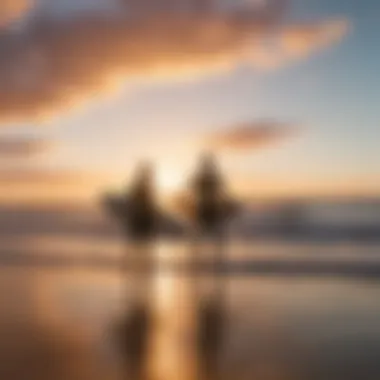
{"points": [[180, 335], [211, 330], [132, 337]]}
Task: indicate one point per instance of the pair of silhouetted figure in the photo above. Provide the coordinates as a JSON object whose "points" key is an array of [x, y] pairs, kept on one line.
{"points": [[209, 208], [140, 216]]}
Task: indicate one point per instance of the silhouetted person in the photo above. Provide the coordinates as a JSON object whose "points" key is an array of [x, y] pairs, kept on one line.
{"points": [[212, 207], [136, 210], [208, 196], [142, 212]]}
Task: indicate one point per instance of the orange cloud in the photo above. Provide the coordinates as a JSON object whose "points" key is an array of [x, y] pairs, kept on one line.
{"points": [[54, 65], [50, 177], [296, 42], [302, 40], [23, 148], [250, 136], [12, 9], [38, 184]]}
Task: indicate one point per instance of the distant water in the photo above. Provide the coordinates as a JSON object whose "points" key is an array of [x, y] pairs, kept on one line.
{"points": [[345, 213], [115, 248], [61, 323]]}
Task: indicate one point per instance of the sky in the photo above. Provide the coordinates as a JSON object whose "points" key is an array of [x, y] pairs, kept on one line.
{"points": [[286, 96]]}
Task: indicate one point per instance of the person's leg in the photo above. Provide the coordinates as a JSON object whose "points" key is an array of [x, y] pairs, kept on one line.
{"points": [[220, 247], [195, 246]]}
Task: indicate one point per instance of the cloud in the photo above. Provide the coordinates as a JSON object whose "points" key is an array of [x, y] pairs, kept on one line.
{"points": [[23, 148], [11, 10], [301, 40], [297, 42], [54, 65], [28, 185], [250, 136], [51, 177]]}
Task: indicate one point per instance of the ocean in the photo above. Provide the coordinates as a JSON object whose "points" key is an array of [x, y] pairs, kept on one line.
{"points": [[244, 321]]}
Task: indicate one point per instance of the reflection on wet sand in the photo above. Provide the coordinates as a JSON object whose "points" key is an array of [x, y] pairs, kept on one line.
{"points": [[186, 325], [175, 330], [180, 329], [35, 343]]}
